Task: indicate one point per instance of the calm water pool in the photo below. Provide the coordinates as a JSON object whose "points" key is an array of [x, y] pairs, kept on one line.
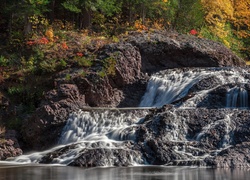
{"points": [[38, 172]]}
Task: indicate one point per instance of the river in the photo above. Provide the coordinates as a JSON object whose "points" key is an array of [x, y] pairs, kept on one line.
{"points": [[48, 172]]}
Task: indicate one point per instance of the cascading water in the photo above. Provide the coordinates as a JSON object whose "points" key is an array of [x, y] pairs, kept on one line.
{"points": [[170, 86], [86, 125], [99, 129], [128, 137], [237, 97]]}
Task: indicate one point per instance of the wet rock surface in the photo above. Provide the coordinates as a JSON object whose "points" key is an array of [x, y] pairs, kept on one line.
{"points": [[171, 136], [206, 137]]}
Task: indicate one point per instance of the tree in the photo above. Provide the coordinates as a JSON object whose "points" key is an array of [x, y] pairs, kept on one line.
{"points": [[85, 8], [242, 17], [18, 13], [218, 15], [241, 24], [189, 14]]}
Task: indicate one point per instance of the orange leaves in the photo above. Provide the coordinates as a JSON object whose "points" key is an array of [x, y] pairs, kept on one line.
{"points": [[139, 26], [42, 40], [64, 45], [30, 43], [50, 34]]}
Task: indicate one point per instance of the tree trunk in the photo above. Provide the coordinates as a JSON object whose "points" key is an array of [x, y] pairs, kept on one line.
{"points": [[27, 26], [52, 12], [85, 19]]}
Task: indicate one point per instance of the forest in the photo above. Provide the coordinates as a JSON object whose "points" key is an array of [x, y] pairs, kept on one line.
{"points": [[226, 21]]}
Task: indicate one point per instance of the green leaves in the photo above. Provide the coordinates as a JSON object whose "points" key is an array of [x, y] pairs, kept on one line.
{"points": [[72, 5], [108, 7]]}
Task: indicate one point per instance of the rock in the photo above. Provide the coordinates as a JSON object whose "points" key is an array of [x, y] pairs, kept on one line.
{"points": [[9, 146], [95, 155], [233, 157], [44, 127], [162, 50], [167, 136], [203, 137], [105, 157]]}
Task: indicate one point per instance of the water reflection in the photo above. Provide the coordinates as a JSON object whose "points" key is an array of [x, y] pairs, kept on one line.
{"points": [[15, 172]]}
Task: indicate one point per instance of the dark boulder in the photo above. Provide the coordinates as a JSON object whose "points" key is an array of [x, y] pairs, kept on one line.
{"points": [[163, 50]]}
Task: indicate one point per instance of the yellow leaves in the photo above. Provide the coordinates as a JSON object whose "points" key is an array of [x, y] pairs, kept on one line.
{"points": [[218, 10], [139, 26], [226, 43], [50, 34], [218, 14], [242, 18], [222, 14]]}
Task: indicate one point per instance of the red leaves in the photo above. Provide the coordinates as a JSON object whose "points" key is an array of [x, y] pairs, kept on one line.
{"points": [[42, 40], [193, 32], [30, 43], [79, 54]]}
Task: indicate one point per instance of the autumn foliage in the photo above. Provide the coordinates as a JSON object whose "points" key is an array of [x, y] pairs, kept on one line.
{"points": [[227, 21]]}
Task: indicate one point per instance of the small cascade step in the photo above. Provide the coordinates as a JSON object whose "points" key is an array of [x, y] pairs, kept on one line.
{"points": [[237, 97]]}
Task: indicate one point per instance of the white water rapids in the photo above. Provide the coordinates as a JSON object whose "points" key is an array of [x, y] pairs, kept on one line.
{"points": [[108, 129]]}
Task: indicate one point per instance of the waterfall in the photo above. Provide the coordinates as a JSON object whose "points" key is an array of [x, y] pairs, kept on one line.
{"points": [[237, 97], [86, 125], [165, 88], [90, 130], [170, 86], [243, 98], [123, 137]]}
